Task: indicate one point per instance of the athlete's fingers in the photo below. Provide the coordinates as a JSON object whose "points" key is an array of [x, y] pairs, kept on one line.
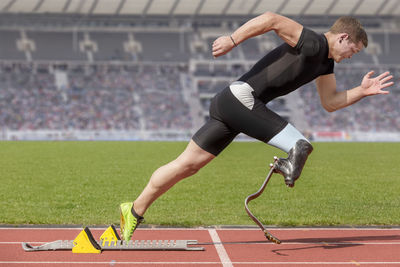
{"points": [[382, 92], [219, 41], [387, 85], [384, 80], [221, 46], [386, 73], [220, 51], [370, 73], [217, 53], [216, 49], [215, 44]]}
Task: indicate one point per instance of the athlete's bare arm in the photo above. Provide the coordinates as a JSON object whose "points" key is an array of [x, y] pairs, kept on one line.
{"points": [[333, 100], [287, 29]]}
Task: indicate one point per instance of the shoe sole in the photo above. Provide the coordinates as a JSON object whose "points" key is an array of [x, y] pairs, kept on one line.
{"points": [[122, 221]]}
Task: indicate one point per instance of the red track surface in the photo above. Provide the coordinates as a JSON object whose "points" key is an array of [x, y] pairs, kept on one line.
{"points": [[223, 247]]}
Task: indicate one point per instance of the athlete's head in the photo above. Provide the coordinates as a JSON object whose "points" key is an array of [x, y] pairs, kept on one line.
{"points": [[349, 38], [352, 27]]}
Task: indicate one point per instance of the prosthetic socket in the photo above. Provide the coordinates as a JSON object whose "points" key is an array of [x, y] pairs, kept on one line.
{"points": [[292, 166]]}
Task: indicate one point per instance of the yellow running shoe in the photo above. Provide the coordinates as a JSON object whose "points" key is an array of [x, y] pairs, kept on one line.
{"points": [[129, 220]]}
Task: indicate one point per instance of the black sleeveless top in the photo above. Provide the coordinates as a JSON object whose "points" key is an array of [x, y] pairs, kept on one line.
{"points": [[287, 68]]}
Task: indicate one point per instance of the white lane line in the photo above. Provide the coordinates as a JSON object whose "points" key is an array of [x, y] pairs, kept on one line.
{"points": [[223, 256], [316, 263], [219, 228], [110, 263], [295, 263], [249, 243]]}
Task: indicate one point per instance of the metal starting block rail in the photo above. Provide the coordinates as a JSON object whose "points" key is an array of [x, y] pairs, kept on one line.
{"points": [[110, 240]]}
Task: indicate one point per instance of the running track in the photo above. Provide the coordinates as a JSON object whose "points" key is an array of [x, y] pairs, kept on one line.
{"points": [[223, 247]]}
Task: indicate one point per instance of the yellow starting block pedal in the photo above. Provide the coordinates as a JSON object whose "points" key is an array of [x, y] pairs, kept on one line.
{"points": [[110, 235], [85, 243]]}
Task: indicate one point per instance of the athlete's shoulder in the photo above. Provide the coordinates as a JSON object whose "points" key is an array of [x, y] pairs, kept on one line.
{"points": [[310, 43]]}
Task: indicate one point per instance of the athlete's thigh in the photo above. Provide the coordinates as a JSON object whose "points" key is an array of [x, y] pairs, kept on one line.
{"points": [[259, 122], [214, 136]]}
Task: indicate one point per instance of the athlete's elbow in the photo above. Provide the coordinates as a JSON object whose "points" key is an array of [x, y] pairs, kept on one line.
{"points": [[270, 20], [329, 107], [269, 15]]}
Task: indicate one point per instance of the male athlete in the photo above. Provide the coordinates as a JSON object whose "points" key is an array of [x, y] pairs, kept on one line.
{"points": [[241, 107]]}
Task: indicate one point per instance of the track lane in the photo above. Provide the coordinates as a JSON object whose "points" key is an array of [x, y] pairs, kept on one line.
{"points": [[243, 247]]}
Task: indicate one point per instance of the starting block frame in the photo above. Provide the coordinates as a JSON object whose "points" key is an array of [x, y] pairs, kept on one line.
{"points": [[110, 240]]}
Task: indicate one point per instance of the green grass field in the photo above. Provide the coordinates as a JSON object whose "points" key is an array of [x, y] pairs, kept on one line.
{"points": [[84, 182]]}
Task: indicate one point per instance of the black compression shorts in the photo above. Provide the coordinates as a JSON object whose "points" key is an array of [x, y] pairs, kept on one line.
{"points": [[229, 117]]}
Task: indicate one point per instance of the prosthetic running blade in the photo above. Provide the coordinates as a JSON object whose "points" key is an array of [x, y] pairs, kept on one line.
{"points": [[268, 235]]}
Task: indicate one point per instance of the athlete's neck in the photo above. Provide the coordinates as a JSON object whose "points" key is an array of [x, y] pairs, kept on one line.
{"points": [[330, 37]]}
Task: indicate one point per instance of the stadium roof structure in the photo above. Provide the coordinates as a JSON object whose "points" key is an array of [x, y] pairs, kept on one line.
{"points": [[173, 8]]}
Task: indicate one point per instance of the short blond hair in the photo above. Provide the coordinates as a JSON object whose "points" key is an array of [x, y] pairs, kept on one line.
{"points": [[352, 27]]}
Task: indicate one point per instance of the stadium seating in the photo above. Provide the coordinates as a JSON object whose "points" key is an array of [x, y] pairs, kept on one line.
{"points": [[155, 81]]}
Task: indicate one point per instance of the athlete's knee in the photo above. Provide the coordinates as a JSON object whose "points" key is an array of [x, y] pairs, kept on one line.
{"points": [[193, 159], [292, 166]]}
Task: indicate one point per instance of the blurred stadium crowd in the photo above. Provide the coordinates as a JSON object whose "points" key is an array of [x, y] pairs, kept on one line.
{"points": [[151, 80], [94, 98]]}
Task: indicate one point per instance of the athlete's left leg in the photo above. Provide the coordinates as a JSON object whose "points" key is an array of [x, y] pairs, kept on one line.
{"points": [[192, 159], [204, 146]]}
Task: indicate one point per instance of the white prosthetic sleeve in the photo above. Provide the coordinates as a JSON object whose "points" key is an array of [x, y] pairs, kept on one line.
{"points": [[287, 138]]}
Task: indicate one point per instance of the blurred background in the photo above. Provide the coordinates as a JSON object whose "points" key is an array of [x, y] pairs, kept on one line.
{"points": [[143, 69]]}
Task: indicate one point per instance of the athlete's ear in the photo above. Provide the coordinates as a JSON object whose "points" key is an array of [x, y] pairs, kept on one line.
{"points": [[343, 36]]}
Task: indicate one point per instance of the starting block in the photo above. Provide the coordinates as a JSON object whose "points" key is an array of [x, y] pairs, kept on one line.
{"points": [[85, 243], [110, 240], [110, 235]]}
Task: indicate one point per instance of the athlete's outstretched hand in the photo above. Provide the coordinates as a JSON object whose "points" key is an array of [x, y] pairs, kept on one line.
{"points": [[374, 86], [221, 46]]}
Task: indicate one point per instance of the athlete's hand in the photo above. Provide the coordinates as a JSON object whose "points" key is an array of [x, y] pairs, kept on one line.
{"points": [[221, 46], [374, 86]]}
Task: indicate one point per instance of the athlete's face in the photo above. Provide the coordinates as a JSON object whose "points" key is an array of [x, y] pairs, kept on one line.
{"points": [[346, 48]]}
